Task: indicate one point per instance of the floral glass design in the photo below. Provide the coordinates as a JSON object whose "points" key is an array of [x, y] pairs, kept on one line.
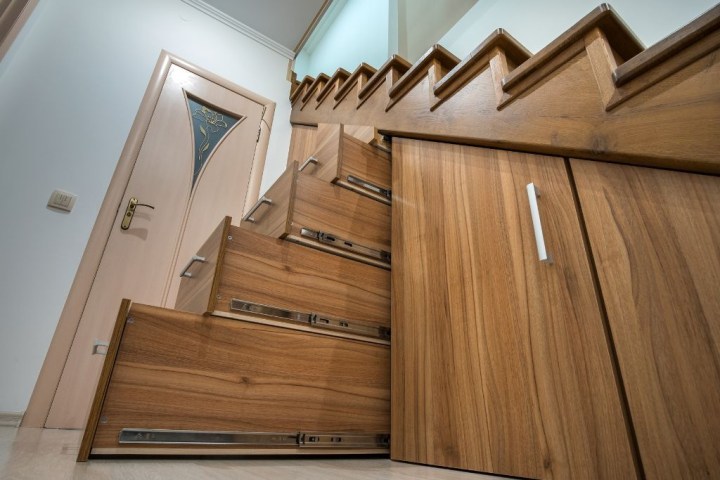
{"points": [[209, 128]]}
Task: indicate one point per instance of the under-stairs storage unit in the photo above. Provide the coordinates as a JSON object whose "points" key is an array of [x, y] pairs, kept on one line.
{"points": [[274, 347], [308, 210]]}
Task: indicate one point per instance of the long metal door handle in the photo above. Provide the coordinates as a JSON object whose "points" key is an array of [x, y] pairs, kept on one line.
{"points": [[249, 215], [533, 194], [195, 258], [307, 162]]}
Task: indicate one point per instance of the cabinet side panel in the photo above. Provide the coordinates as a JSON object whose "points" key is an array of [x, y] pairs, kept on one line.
{"points": [[655, 235]]}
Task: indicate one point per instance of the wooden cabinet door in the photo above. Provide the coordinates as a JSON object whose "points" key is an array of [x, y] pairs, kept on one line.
{"points": [[500, 363], [655, 237]]}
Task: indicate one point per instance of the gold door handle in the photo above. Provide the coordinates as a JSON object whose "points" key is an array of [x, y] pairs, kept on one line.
{"points": [[130, 212]]}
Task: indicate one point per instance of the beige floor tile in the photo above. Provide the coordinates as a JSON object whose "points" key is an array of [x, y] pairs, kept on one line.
{"points": [[39, 454]]}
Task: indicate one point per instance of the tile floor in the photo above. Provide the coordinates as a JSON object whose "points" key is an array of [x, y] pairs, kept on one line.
{"points": [[38, 454]]}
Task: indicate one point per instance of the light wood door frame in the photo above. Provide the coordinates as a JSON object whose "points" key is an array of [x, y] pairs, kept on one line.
{"points": [[52, 368]]}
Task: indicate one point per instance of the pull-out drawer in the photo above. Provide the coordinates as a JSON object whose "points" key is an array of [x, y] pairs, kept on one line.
{"points": [[349, 162], [242, 274], [177, 383], [307, 210]]}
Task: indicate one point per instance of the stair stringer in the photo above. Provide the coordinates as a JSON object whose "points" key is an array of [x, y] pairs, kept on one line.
{"points": [[561, 101]]}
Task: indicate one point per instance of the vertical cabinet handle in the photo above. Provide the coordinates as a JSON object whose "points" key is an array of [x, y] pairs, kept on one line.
{"points": [[533, 194], [307, 162], [249, 215]]}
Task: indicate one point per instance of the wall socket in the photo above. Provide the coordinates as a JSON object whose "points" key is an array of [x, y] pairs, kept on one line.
{"points": [[62, 200]]}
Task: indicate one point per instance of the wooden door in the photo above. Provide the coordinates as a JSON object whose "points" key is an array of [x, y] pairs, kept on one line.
{"points": [[193, 168], [500, 362], [655, 236]]}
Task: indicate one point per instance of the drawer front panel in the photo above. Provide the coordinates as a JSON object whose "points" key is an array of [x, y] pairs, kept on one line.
{"points": [[183, 371], [266, 271], [324, 207]]}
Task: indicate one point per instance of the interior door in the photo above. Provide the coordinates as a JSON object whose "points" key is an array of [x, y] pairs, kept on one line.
{"points": [[655, 235], [192, 170], [500, 361]]}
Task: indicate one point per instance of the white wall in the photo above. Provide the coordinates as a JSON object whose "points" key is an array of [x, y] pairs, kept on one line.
{"points": [[358, 33], [535, 24], [70, 87]]}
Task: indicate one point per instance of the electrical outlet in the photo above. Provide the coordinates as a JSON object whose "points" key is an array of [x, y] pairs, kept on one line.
{"points": [[62, 200]]}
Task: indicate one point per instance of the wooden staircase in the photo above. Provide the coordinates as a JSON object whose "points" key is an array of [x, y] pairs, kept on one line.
{"points": [[594, 92], [279, 340]]}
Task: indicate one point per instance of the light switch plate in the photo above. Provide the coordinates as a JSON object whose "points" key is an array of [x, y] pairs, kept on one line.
{"points": [[62, 200]]}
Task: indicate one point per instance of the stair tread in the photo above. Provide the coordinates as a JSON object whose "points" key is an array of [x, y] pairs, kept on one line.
{"points": [[661, 51], [501, 39], [619, 35]]}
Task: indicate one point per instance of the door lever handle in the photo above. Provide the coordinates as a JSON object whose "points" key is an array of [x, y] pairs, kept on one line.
{"points": [[130, 212]]}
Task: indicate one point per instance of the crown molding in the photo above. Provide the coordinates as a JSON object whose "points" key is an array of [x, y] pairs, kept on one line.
{"points": [[240, 27]]}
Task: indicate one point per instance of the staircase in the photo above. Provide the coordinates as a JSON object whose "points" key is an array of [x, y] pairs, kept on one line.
{"points": [[594, 93], [279, 340]]}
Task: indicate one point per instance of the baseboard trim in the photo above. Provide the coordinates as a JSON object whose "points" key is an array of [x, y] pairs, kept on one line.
{"points": [[10, 419]]}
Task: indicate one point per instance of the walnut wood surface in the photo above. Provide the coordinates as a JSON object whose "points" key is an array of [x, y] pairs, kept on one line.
{"points": [[302, 143], [264, 270], [558, 101], [667, 47], [302, 201], [201, 287], [184, 371], [103, 383], [366, 163], [329, 208], [655, 236], [275, 219], [340, 154], [500, 362]]}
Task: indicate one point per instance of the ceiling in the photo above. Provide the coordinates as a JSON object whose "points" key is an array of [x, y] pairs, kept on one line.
{"points": [[284, 21]]}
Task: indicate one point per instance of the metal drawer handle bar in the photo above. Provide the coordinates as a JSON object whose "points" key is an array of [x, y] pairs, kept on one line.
{"points": [[312, 319], [195, 258], [370, 186], [249, 215], [285, 439], [533, 194], [307, 162], [335, 241]]}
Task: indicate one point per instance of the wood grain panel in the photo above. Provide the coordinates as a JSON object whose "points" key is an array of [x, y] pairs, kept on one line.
{"points": [[302, 143], [274, 219], [500, 362], [655, 236], [325, 207], [553, 103], [340, 154], [185, 371], [261, 269], [367, 163], [195, 291]]}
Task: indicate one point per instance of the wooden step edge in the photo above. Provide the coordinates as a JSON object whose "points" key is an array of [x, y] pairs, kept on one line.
{"points": [[307, 81], [436, 53], [395, 63], [479, 58], [680, 40], [336, 81], [362, 69], [318, 83], [619, 35]]}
